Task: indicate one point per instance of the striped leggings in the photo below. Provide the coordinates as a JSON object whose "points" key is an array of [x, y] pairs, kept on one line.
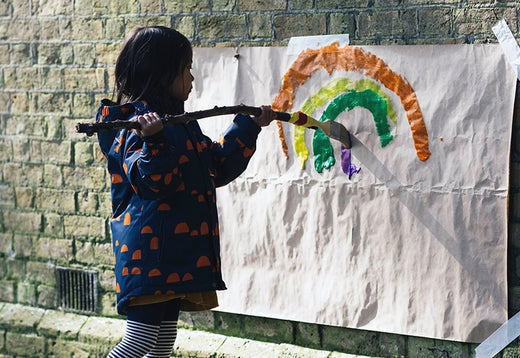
{"points": [[150, 331]]}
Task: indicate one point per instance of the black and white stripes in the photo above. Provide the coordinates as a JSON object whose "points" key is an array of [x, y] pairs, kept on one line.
{"points": [[146, 340], [165, 340]]}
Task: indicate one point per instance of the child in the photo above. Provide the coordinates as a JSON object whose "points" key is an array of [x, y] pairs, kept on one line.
{"points": [[165, 226]]}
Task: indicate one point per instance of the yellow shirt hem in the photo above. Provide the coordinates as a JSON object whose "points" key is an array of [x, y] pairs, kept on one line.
{"points": [[190, 302]]}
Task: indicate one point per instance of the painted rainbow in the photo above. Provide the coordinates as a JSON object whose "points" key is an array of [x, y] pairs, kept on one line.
{"points": [[344, 94]]}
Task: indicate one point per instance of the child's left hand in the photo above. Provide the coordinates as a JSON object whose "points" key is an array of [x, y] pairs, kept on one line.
{"points": [[150, 123], [266, 117]]}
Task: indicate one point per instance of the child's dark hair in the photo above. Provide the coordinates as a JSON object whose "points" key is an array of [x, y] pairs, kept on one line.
{"points": [[149, 61]]}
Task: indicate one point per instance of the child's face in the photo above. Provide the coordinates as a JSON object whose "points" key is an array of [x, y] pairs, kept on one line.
{"points": [[181, 86]]}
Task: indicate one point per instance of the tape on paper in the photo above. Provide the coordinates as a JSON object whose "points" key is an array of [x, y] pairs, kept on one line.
{"points": [[499, 340], [509, 45]]}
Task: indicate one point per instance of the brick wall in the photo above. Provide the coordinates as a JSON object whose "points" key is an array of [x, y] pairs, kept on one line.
{"points": [[56, 62]]}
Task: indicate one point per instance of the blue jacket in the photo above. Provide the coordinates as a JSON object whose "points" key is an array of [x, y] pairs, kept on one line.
{"points": [[165, 231]]}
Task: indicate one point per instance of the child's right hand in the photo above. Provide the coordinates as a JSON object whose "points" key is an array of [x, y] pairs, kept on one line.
{"points": [[150, 123], [266, 117]]}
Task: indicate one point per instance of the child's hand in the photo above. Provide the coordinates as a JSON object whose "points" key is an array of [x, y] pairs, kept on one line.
{"points": [[266, 117], [150, 123]]}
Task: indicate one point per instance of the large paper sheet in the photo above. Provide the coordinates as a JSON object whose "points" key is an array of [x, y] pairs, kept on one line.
{"points": [[408, 245]]}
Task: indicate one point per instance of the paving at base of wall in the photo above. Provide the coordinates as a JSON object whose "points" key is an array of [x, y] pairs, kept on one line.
{"points": [[27, 331]]}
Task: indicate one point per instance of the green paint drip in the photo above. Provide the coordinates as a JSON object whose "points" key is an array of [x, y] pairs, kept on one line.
{"points": [[322, 148], [323, 151], [325, 94]]}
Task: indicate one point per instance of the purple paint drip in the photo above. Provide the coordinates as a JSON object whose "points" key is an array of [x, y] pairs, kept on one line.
{"points": [[346, 162]]}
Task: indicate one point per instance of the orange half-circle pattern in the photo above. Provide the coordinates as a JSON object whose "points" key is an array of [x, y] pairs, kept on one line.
{"points": [[203, 261], [156, 177], [187, 277], [173, 277], [248, 152], [182, 228], [116, 179], [154, 243], [168, 178], [136, 255], [146, 230], [204, 228], [154, 273], [163, 207]]}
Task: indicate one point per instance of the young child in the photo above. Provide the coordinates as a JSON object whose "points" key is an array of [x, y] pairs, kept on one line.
{"points": [[165, 228]]}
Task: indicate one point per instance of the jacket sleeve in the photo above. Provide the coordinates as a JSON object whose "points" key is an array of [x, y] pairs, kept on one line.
{"points": [[151, 165], [232, 153]]}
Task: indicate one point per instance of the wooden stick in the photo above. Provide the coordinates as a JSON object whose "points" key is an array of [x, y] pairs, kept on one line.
{"points": [[91, 128], [332, 129]]}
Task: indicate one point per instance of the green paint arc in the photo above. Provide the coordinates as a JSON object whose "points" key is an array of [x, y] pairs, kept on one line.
{"points": [[368, 99], [341, 85], [325, 94]]}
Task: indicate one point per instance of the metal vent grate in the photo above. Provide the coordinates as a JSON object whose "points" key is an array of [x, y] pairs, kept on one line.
{"points": [[77, 290]]}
